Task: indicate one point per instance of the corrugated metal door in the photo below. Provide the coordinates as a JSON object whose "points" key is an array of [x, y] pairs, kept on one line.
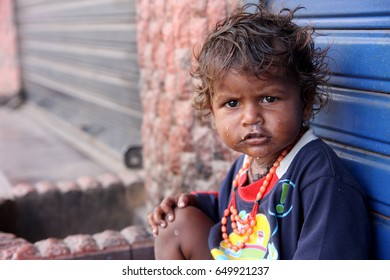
{"points": [[79, 62], [357, 125]]}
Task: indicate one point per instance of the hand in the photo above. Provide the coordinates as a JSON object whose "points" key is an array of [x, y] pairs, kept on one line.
{"points": [[165, 211]]}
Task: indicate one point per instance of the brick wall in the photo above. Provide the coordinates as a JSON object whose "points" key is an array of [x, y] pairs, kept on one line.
{"points": [[9, 67], [84, 219], [181, 150]]}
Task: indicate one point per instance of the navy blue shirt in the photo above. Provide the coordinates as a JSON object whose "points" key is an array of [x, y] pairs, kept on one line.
{"points": [[314, 210]]}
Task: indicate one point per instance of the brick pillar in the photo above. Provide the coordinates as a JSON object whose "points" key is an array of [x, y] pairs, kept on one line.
{"points": [[181, 151], [9, 67]]}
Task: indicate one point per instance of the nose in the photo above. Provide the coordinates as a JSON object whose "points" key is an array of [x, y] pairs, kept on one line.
{"points": [[251, 115]]}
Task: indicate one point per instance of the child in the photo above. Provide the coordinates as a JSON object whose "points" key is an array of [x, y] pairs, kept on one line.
{"points": [[288, 196]]}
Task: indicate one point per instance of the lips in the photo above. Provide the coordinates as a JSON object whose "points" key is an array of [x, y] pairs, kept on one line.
{"points": [[255, 138]]}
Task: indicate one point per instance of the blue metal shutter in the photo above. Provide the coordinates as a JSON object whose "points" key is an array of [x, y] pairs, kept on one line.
{"points": [[357, 125]]}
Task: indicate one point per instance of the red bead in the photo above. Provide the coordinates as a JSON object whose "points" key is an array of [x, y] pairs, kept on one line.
{"points": [[249, 222]]}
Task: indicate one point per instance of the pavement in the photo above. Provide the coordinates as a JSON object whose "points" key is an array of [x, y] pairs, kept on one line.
{"points": [[32, 149]]}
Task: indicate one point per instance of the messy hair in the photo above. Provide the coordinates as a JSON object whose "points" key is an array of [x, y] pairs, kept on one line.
{"points": [[262, 45]]}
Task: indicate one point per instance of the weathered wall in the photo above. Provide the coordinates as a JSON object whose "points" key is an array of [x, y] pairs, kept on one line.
{"points": [[9, 67], [181, 151]]}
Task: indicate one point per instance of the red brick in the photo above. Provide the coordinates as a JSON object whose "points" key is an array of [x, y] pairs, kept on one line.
{"points": [[44, 187], [67, 186], [109, 180], [23, 190], [110, 239], [53, 248], [199, 7], [181, 30], [88, 183], [18, 249], [216, 10], [135, 234], [81, 244]]}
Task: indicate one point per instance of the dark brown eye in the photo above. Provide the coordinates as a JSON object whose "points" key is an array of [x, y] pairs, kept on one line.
{"points": [[269, 99], [232, 104]]}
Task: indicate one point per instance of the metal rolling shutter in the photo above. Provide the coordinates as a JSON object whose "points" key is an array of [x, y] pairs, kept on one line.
{"points": [[79, 62], [357, 125]]}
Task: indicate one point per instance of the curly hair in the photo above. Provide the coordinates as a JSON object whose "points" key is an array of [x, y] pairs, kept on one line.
{"points": [[263, 45]]}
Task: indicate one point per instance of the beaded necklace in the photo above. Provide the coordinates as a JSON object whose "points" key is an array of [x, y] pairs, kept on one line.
{"points": [[250, 222]]}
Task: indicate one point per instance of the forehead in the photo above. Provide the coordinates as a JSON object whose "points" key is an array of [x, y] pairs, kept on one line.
{"points": [[235, 81]]}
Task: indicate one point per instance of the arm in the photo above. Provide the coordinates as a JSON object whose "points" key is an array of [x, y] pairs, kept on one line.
{"points": [[335, 221]]}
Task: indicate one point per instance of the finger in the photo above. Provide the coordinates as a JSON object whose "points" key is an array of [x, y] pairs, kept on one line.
{"points": [[159, 217], [152, 225], [167, 206], [186, 200]]}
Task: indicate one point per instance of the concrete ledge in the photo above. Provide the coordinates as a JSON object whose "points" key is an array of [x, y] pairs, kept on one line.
{"points": [[83, 219], [132, 243]]}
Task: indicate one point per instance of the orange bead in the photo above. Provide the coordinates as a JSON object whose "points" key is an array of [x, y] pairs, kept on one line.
{"points": [[225, 236], [241, 245], [250, 231], [230, 245], [224, 221], [246, 239], [262, 189], [234, 212], [234, 225], [253, 223], [223, 229], [226, 212], [235, 248]]}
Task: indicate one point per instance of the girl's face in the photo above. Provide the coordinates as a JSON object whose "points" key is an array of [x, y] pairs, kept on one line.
{"points": [[256, 117]]}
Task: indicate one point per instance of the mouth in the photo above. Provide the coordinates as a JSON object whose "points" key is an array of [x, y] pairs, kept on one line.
{"points": [[255, 138]]}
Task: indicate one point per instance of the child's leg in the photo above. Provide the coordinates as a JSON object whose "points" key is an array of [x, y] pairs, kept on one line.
{"points": [[186, 237]]}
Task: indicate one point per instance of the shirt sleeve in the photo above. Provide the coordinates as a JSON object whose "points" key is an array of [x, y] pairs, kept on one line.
{"points": [[208, 203], [335, 222]]}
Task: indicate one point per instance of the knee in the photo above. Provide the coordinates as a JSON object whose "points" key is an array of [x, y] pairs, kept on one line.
{"points": [[175, 241]]}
